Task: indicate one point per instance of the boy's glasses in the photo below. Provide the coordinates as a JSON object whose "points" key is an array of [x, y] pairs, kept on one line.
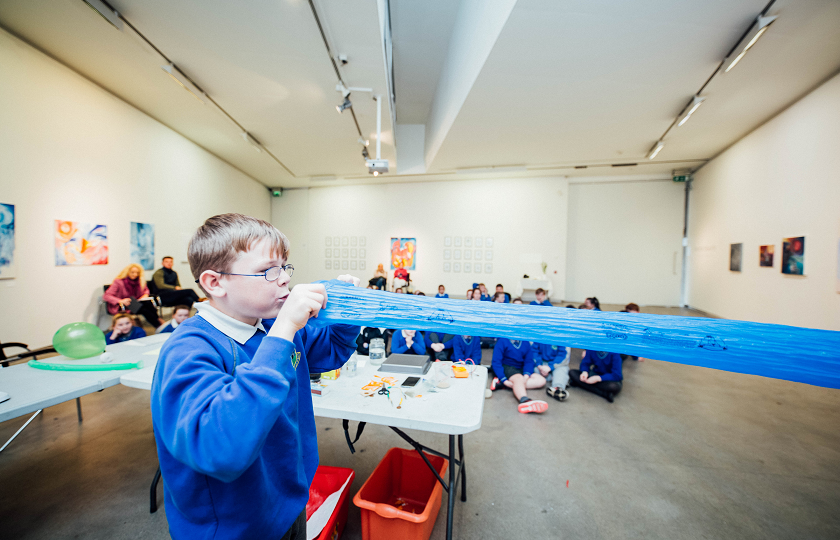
{"points": [[270, 275]]}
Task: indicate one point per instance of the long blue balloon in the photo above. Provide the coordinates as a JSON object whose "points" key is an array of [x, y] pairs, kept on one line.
{"points": [[781, 352]]}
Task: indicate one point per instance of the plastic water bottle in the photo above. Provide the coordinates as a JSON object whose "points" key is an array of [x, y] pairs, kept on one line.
{"points": [[349, 369], [377, 351]]}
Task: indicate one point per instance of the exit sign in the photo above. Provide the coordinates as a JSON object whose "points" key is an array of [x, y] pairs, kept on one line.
{"points": [[682, 178]]}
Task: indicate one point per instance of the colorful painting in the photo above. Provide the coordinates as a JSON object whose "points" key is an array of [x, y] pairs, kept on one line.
{"points": [[765, 255], [143, 245], [793, 256], [80, 244], [403, 253], [735, 254], [7, 241]]}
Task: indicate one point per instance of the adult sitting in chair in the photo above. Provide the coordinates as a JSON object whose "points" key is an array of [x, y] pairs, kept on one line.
{"points": [[126, 290], [380, 278], [169, 287]]}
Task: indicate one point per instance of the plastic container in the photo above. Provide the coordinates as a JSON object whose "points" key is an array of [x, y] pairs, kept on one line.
{"points": [[401, 499], [327, 481], [376, 351], [350, 368]]}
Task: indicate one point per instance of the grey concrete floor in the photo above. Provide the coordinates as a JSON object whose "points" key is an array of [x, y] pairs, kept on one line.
{"points": [[684, 452]]}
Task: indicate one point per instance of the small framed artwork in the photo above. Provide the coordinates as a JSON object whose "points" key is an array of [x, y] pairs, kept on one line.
{"points": [[345, 253], [447, 254], [477, 255], [345, 264], [336, 263], [488, 242], [354, 240], [328, 253], [467, 267], [328, 241], [447, 267], [361, 265], [457, 241], [457, 254], [354, 253], [468, 241], [477, 268], [345, 240], [793, 256], [765, 255], [362, 241], [479, 241], [488, 268], [328, 265], [488, 254], [362, 253], [735, 253], [447, 241], [353, 265], [467, 254], [336, 240], [456, 267]]}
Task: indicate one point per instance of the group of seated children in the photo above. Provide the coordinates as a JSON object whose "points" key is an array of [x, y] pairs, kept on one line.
{"points": [[124, 326]]}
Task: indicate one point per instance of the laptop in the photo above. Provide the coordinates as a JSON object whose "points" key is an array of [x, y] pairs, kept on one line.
{"points": [[411, 364]]}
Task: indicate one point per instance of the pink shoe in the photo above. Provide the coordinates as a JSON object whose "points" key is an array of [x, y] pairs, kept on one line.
{"points": [[535, 406]]}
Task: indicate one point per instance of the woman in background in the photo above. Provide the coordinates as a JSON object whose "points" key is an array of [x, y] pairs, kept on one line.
{"points": [[128, 286], [380, 278]]}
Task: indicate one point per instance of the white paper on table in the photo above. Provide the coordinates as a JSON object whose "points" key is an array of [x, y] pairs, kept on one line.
{"points": [[155, 352], [361, 363], [318, 520]]}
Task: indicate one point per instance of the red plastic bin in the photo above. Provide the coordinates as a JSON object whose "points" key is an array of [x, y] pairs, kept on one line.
{"points": [[327, 481], [401, 499]]}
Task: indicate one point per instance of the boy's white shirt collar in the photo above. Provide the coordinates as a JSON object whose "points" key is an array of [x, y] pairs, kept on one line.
{"points": [[227, 325]]}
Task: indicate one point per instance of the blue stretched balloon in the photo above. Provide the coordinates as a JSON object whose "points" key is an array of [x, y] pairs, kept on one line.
{"points": [[770, 350]]}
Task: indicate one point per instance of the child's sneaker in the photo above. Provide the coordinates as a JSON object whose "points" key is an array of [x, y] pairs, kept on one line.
{"points": [[533, 406], [496, 385], [557, 393]]}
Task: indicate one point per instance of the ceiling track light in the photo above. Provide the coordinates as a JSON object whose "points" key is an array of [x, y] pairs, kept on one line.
{"points": [[344, 106], [106, 12], [656, 149], [183, 81], [761, 26], [693, 106], [252, 141]]}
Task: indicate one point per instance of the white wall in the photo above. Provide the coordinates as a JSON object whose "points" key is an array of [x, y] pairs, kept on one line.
{"points": [[781, 180], [525, 217], [71, 151], [625, 241]]}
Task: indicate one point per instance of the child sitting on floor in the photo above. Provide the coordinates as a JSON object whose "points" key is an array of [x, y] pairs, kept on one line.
{"points": [[123, 329], [541, 299], [553, 363], [179, 315], [441, 292], [408, 342], [599, 373], [513, 365]]}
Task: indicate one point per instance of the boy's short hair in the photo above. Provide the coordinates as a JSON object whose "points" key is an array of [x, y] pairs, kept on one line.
{"points": [[498, 294], [178, 308], [539, 291], [516, 300], [167, 257], [632, 307], [218, 242]]}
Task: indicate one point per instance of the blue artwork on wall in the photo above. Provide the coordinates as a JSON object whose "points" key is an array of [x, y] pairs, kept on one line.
{"points": [[7, 241], [143, 245]]}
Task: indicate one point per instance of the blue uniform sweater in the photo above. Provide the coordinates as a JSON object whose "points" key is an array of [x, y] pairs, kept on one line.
{"points": [[136, 332], [605, 364], [550, 354], [506, 353], [544, 303], [464, 347], [444, 295], [236, 439], [167, 328], [417, 347], [486, 298]]}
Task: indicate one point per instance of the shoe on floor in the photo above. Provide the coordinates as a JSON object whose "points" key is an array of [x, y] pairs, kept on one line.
{"points": [[533, 406], [610, 397], [557, 393], [497, 385]]}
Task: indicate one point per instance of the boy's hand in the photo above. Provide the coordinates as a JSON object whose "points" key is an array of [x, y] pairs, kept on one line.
{"points": [[593, 379], [544, 370], [437, 347], [583, 376], [347, 278], [304, 302]]}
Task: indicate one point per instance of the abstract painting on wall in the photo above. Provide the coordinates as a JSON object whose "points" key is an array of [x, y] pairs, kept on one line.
{"points": [[403, 253], [143, 245], [80, 244], [7, 241], [793, 256], [735, 252], [765, 255]]}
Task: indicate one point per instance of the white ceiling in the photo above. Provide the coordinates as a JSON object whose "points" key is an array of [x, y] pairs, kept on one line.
{"points": [[567, 83]]}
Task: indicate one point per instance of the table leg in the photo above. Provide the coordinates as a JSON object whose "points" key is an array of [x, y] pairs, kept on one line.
{"points": [[79, 408], [153, 492], [463, 468], [21, 429], [452, 487]]}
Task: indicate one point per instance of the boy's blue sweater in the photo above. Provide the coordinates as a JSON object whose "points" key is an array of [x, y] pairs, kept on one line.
{"points": [[543, 303], [417, 347], [444, 295], [506, 353], [136, 332], [550, 354], [486, 298], [605, 364], [167, 328], [237, 444], [464, 347]]}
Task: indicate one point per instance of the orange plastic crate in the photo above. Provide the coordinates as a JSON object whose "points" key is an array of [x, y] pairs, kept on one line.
{"points": [[401, 499]]}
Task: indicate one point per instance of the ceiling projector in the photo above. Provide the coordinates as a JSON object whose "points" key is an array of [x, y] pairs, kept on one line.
{"points": [[377, 166]]}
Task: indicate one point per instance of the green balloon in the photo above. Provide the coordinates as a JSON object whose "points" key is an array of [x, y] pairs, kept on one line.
{"points": [[79, 340]]}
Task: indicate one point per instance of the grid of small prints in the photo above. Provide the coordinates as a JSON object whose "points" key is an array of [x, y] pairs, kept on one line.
{"points": [[344, 252], [468, 254]]}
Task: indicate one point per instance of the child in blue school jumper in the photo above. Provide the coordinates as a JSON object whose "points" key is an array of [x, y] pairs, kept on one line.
{"points": [[541, 299], [408, 342], [179, 315], [599, 373], [441, 292], [552, 362], [231, 404], [485, 296], [123, 329], [463, 348], [513, 365]]}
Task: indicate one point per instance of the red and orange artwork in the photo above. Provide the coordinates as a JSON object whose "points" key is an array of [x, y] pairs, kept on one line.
{"points": [[80, 244], [403, 253]]}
